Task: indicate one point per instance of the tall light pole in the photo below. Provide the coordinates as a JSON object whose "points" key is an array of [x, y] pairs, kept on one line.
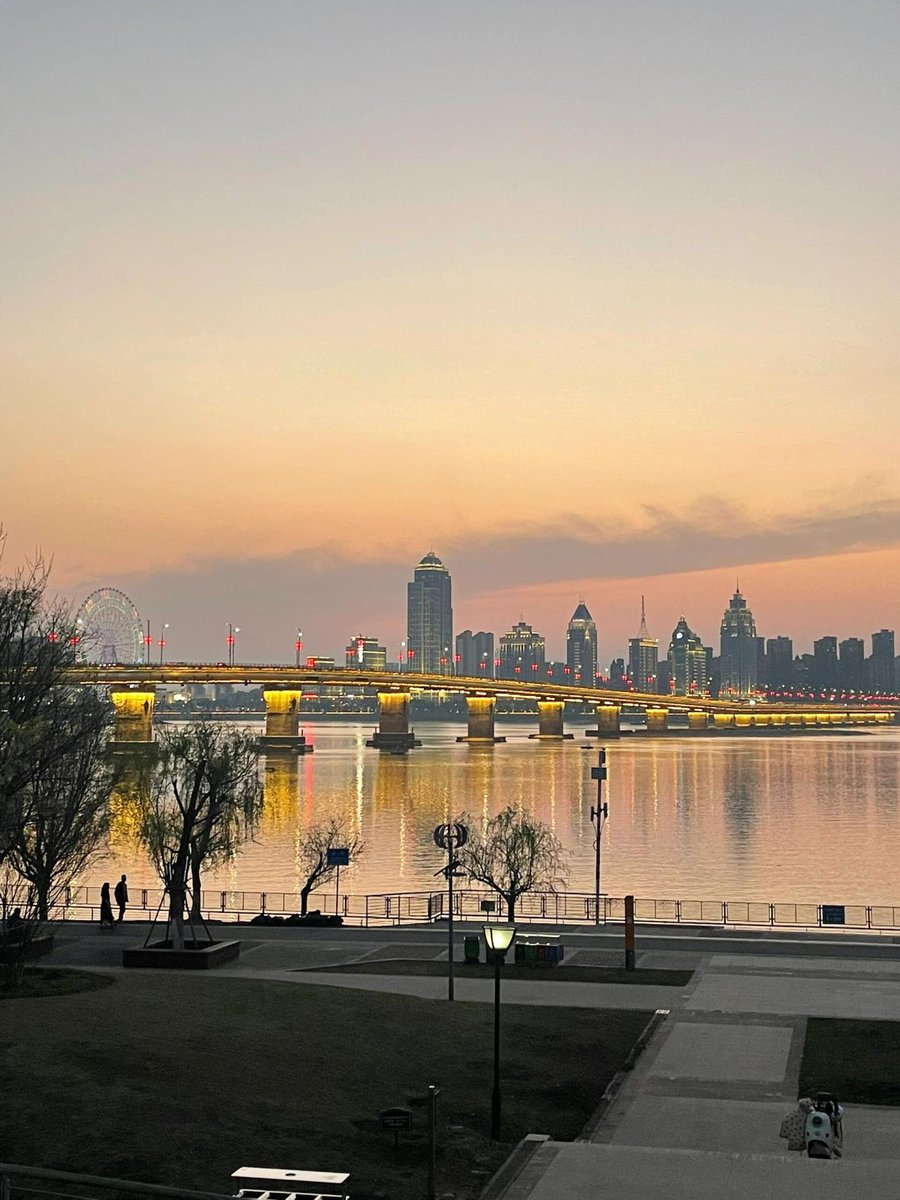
{"points": [[148, 644], [599, 817], [298, 645], [232, 630], [499, 938], [162, 642]]}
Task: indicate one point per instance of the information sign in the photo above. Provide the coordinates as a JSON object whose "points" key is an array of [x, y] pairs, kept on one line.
{"points": [[833, 914], [338, 856]]}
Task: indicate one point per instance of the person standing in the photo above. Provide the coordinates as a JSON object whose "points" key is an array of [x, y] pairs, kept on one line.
{"points": [[106, 914], [121, 894]]}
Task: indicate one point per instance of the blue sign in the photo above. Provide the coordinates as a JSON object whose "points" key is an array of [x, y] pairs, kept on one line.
{"points": [[338, 856], [833, 914]]}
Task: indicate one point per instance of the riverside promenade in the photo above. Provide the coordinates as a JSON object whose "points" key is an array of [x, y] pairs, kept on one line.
{"points": [[698, 1117]]}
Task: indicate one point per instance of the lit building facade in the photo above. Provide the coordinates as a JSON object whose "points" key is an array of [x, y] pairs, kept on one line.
{"points": [[687, 661], [643, 658], [429, 618], [779, 662], [475, 654], [522, 653], [852, 664], [364, 653], [738, 649], [581, 647]]}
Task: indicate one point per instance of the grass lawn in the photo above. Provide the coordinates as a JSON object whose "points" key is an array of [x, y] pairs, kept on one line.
{"points": [[857, 1060], [435, 967], [176, 1079]]}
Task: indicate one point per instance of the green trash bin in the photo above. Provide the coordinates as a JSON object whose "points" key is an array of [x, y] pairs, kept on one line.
{"points": [[472, 950]]}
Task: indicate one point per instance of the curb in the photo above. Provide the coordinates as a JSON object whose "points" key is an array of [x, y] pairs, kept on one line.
{"points": [[513, 1166], [615, 1084]]}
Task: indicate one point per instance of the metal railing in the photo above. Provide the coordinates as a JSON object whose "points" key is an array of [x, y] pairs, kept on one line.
{"points": [[557, 908]]}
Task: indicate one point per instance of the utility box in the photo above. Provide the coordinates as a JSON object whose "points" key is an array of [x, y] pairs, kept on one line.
{"points": [[472, 950]]}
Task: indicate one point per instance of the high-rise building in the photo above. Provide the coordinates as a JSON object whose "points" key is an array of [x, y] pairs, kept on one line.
{"points": [[365, 654], [581, 648], [883, 661], [663, 677], [429, 623], [475, 654], [643, 658], [825, 662], [779, 662], [687, 661], [521, 653], [738, 645], [852, 664]]}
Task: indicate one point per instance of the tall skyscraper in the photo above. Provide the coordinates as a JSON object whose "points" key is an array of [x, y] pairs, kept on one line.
{"points": [[522, 653], [779, 662], [429, 623], [475, 654], [738, 646], [883, 661], [825, 662], [852, 664], [581, 648], [687, 661], [643, 658]]}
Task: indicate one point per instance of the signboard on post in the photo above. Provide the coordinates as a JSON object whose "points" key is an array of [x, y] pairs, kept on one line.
{"points": [[833, 914], [338, 856]]}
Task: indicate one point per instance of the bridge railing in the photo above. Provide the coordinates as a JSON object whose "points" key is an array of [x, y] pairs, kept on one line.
{"points": [[469, 904]]}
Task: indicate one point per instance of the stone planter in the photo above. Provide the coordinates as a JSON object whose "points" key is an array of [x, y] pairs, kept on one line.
{"points": [[196, 956]]}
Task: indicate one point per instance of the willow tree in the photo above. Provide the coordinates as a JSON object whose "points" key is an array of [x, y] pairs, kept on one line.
{"points": [[199, 804], [512, 854], [313, 855]]}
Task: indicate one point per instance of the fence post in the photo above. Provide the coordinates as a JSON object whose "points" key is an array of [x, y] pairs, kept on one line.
{"points": [[772, 915], [262, 902], [868, 916], [222, 901], [677, 911], [367, 910], [724, 912]]}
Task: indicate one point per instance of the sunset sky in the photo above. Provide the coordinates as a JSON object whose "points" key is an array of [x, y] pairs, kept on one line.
{"points": [[594, 299]]}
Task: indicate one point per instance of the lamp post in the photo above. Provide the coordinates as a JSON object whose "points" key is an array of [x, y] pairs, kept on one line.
{"points": [[298, 645], [600, 815], [499, 938], [162, 642], [232, 630], [148, 644]]}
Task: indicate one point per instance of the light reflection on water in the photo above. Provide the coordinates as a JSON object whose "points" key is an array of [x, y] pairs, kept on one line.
{"points": [[807, 818]]}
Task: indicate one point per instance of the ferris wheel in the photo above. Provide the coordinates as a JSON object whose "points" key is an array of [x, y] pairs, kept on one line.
{"points": [[108, 628]]}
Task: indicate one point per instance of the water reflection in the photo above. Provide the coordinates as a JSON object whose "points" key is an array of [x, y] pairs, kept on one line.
{"points": [[788, 818]]}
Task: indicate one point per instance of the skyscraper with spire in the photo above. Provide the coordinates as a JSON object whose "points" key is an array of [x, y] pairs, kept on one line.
{"points": [[643, 657], [738, 648], [581, 647]]}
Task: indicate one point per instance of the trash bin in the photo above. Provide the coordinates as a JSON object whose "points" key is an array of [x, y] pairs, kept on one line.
{"points": [[472, 950]]}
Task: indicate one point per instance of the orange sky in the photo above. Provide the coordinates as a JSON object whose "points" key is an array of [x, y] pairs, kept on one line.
{"points": [[347, 282]]}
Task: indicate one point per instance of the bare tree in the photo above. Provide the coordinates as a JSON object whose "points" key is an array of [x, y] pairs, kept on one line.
{"points": [[312, 855], [513, 854], [202, 801], [59, 817]]}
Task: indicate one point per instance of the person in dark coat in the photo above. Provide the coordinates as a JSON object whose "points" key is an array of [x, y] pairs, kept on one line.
{"points": [[106, 913], [121, 895]]}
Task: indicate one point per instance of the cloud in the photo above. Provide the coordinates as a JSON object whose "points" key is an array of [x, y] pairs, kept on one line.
{"points": [[332, 597]]}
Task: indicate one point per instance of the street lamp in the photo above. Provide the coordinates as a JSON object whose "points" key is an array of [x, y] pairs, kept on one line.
{"points": [[298, 645], [599, 815], [232, 630], [162, 642], [499, 938]]}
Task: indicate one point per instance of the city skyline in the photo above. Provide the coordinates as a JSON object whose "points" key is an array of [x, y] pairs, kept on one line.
{"points": [[284, 302]]}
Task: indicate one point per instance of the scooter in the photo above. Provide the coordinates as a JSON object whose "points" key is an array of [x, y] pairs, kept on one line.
{"points": [[824, 1128]]}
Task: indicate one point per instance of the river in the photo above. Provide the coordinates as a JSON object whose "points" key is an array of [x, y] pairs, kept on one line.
{"points": [[810, 818]]}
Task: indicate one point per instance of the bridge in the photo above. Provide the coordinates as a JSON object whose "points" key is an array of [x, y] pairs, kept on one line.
{"points": [[133, 694]]}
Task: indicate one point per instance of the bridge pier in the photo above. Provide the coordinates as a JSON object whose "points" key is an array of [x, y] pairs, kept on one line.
{"points": [[608, 721], [657, 720], [283, 721], [133, 725], [393, 733], [698, 722], [550, 721], [480, 710]]}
